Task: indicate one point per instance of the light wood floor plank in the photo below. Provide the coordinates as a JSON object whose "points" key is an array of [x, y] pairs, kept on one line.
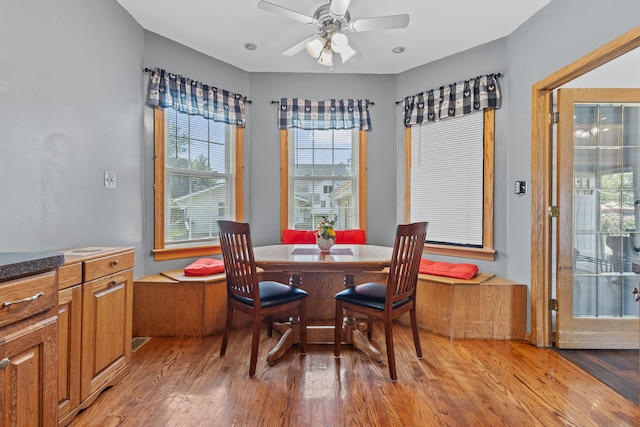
{"points": [[184, 382]]}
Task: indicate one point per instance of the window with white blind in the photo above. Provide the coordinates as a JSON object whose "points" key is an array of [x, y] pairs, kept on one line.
{"points": [[323, 178], [450, 183], [196, 167]]}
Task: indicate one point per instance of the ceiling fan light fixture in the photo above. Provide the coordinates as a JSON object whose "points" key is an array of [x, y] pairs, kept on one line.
{"points": [[347, 53], [326, 58], [339, 42], [315, 46]]}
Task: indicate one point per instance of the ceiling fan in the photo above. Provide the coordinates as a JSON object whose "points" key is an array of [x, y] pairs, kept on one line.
{"points": [[331, 19]]}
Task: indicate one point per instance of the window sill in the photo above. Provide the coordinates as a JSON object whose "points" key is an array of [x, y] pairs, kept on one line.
{"points": [[475, 253], [190, 252]]}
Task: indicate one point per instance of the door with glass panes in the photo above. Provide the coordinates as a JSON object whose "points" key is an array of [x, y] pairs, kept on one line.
{"points": [[598, 258]]}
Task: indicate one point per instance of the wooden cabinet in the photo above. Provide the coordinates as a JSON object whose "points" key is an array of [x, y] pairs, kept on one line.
{"points": [[95, 318], [28, 351], [69, 338]]}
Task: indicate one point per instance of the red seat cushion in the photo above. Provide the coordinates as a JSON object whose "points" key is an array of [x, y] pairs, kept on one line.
{"points": [[290, 236], [204, 267], [447, 269], [354, 237]]}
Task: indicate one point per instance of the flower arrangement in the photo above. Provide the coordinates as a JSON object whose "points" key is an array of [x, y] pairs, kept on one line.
{"points": [[325, 229]]}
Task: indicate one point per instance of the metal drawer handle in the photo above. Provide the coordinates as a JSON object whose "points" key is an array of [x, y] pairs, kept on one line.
{"points": [[22, 301], [4, 363], [114, 262]]}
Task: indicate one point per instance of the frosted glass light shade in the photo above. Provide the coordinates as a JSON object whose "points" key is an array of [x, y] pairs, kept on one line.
{"points": [[347, 53], [338, 42], [326, 58], [315, 46]]}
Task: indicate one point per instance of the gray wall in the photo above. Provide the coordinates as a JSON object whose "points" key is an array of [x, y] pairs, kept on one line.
{"points": [[485, 59], [558, 35], [70, 102], [264, 150], [72, 106], [173, 57]]}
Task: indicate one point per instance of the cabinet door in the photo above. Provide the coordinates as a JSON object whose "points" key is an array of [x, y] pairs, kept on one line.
{"points": [[28, 377], [69, 330], [106, 330]]}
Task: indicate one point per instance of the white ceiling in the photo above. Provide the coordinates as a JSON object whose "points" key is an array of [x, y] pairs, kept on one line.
{"points": [[436, 29]]}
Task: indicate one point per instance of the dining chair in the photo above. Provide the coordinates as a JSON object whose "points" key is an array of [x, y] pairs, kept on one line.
{"points": [[246, 293], [389, 301]]}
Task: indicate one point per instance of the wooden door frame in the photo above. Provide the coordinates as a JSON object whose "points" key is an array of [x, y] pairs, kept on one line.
{"points": [[542, 173]]}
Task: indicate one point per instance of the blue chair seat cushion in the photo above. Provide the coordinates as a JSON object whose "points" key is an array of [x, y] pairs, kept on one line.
{"points": [[370, 295], [274, 293]]}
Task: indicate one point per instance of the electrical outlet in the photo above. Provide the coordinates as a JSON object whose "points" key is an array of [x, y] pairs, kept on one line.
{"points": [[109, 179], [520, 187]]}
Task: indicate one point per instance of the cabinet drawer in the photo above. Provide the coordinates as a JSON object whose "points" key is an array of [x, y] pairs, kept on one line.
{"points": [[100, 267], [23, 298], [69, 275]]}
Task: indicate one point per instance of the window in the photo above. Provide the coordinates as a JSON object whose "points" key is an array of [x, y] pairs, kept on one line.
{"points": [[196, 181], [324, 178], [450, 184]]}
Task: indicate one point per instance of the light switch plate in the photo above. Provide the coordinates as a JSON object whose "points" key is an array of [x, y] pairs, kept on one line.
{"points": [[109, 179]]}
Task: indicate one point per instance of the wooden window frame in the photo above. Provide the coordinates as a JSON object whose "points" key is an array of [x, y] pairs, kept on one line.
{"points": [[160, 252], [487, 252], [284, 180]]}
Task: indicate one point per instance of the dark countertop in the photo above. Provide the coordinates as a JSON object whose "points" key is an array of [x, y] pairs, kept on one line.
{"points": [[18, 264]]}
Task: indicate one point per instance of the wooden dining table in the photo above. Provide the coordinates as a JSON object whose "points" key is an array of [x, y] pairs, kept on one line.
{"points": [[322, 275]]}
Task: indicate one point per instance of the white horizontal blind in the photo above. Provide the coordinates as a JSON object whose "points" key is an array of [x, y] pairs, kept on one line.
{"points": [[199, 177], [323, 178], [447, 159]]}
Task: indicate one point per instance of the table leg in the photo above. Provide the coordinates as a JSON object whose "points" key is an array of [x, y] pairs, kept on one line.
{"points": [[290, 330], [290, 335]]}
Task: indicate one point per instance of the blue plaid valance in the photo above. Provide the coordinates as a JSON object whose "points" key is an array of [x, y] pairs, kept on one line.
{"points": [[454, 100], [192, 97], [323, 115]]}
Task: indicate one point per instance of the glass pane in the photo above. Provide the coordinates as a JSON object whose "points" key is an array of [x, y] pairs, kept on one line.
{"points": [[606, 207], [323, 178], [584, 295], [585, 126], [609, 125], [198, 177]]}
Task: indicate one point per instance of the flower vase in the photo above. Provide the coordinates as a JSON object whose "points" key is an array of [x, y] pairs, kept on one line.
{"points": [[324, 244]]}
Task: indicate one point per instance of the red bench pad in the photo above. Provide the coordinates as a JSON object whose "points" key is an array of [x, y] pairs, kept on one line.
{"points": [[204, 267], [447, 269]]}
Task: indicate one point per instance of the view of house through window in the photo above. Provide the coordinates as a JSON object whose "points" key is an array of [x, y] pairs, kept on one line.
{"points": [[198, 176], [323, 178]]}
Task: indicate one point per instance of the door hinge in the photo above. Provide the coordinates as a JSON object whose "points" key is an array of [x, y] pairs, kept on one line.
{"points": [[553, 304], [553, 211], [554, 118]]}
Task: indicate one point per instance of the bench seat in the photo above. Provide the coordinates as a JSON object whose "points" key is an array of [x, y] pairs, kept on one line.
{"points": [[484, 307]]}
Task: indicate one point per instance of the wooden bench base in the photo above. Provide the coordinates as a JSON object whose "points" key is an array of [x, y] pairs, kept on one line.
{"points": [[485, 307], [171, 304]]}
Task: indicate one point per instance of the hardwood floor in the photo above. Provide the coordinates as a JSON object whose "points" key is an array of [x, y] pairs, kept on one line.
{"points": [[184, 382], [619, 369]]}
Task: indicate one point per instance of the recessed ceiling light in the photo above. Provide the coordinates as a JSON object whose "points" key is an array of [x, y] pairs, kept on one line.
{"points": [[250, 46], [398, 49]]}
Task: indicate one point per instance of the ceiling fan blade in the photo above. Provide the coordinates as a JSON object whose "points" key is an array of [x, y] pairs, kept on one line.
{"points": [[380, 23], [283, 11], [298, 47], [339, 7]]}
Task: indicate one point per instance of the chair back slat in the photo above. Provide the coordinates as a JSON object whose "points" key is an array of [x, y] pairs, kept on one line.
{"points": [[405, 261], [239, 262]]}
